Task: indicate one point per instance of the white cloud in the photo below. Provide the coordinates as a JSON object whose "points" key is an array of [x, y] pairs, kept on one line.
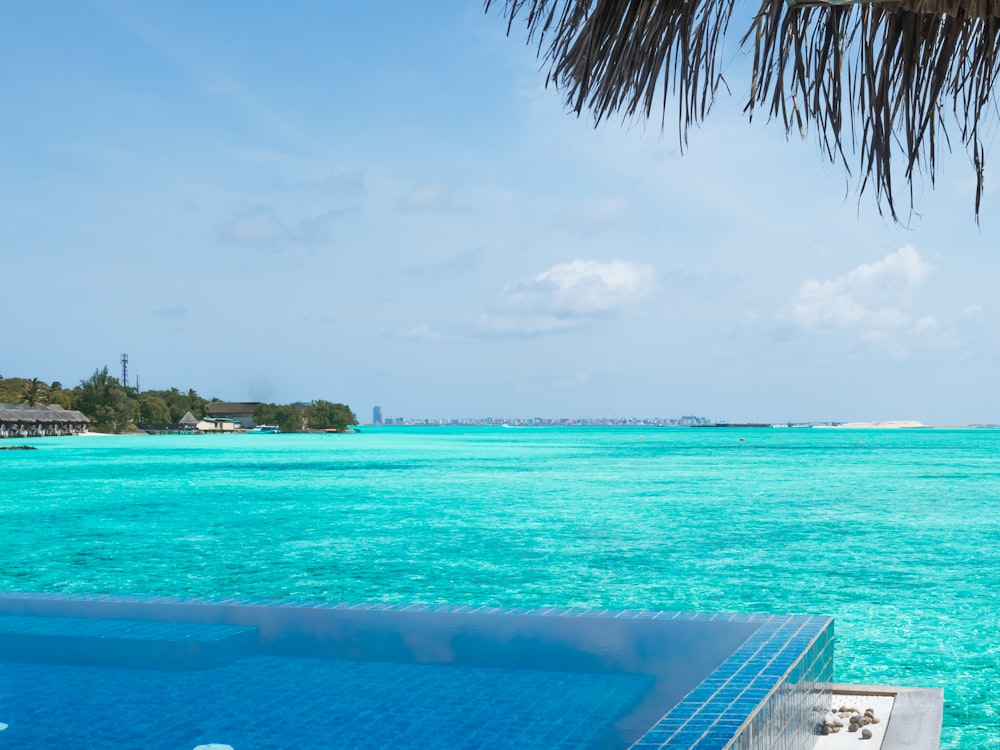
{"points": [[562, 298], [581, 288], [566, 296], [872, 299]]}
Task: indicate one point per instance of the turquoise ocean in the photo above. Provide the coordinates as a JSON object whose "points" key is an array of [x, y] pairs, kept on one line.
{"points": [[895, 533]]}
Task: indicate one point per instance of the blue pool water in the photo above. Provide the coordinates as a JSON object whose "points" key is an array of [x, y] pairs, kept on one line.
{"points": [[894, 533], [170, 673], [270, 702]]}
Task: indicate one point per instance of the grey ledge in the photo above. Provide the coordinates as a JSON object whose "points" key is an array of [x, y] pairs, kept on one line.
{"points": [[917, 714]]}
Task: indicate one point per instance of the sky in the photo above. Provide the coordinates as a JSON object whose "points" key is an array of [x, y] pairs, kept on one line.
{"points": [[383, 203]]}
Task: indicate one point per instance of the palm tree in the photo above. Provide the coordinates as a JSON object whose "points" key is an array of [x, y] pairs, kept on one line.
{"points": [[868, 78], [32, 392]]}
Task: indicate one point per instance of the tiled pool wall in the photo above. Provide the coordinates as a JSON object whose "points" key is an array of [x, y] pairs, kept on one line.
{"points": [[719, 681], [770, 694]]}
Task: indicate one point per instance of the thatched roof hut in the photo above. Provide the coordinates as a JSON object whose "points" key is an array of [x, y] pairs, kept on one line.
{"points": [[188, 421], [23, 420], [51, 414], [868, 78]]}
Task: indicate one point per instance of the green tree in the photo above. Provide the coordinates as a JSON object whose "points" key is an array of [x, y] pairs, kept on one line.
{"points": [[102, 398], [288, 417], [61, 397], [153, 409], [93, 391], [12, 390], [6, 392], [33, 393], [324, 415], [195, 403], [178, 403], [265, 414]]}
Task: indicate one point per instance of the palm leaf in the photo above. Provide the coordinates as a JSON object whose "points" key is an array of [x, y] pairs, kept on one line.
{"points": [[875, 82]]}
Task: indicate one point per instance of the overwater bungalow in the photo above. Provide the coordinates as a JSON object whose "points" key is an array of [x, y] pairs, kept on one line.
{"points": [[21, 421], [188, 423]]}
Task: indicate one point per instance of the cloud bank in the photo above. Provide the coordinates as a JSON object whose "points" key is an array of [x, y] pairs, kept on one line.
{"points": [[872, 302], [566, 296]]}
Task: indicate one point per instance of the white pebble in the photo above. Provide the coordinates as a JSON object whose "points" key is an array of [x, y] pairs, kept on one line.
{"points": [[214, 746], [2, 726]]}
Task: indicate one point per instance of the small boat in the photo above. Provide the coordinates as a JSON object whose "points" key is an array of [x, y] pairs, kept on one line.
{"points": [[270, 429]]}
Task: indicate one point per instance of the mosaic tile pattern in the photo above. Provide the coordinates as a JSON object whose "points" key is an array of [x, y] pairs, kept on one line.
{"points": [[769, 695]]}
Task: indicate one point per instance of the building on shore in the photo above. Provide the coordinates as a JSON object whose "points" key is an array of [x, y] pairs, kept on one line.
{"points": [[21, 420], [218, 424], [238, 411]]}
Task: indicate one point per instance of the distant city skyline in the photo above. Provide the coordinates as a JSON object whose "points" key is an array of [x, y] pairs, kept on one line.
{"points": [[687, 421], [379, 417], [363, 203], [683, 421]]}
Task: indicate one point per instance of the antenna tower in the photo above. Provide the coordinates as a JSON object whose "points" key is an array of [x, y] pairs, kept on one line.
{"points": [[124, 371]]}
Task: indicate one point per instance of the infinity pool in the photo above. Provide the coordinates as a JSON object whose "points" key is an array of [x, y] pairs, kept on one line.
{"points": [[105, 672]]}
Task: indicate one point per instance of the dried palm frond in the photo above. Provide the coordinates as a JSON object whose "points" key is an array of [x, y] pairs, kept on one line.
{"points": [[869, 78]]}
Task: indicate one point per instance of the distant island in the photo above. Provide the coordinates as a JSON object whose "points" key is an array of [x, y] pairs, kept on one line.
{"points": [[113, 407]]}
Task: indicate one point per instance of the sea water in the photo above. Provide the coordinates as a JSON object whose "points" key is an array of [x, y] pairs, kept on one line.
{"points": [[896, 533]]}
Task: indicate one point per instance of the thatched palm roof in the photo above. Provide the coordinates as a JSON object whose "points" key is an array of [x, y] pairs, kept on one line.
{"points": [[51, 414], [870, 79]]}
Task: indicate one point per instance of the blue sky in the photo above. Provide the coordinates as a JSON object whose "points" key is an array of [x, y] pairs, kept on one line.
{"points": [[383, 204]]}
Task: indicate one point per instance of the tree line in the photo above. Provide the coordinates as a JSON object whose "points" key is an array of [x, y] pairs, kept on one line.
{"points": [[113, 407], [319, 415]]}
